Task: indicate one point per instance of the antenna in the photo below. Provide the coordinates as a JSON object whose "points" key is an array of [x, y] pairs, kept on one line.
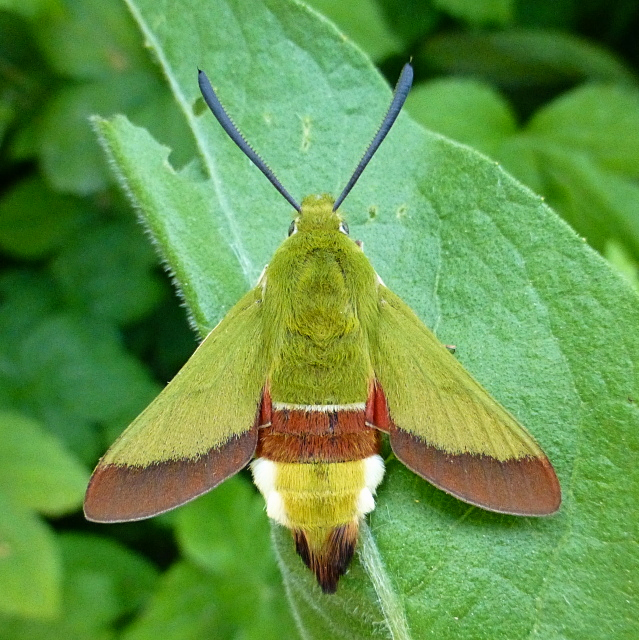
{"points": [[399, 97], [234, 133]]}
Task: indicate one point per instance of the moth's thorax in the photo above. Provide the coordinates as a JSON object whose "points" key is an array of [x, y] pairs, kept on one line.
{"points": [[320, 293]]}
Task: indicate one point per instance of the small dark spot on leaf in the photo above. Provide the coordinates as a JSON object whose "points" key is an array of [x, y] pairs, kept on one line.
{"points": [[199, 106], [372, 212]]}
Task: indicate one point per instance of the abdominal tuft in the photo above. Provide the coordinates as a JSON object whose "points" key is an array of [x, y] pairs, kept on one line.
{"points": [[327, 552]]}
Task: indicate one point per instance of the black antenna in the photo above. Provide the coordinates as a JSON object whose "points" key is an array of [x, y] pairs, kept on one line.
{"points": [[233, 132], [399, 97]]}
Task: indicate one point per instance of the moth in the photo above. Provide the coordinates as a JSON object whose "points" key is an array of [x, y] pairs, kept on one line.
{"points": [[302, 377]]}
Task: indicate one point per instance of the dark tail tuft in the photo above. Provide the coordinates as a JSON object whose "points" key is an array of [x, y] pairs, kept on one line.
{"points": [[327, 555]]}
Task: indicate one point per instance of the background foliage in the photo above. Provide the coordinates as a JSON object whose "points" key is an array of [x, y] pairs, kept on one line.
{"points": [[90, 327]]}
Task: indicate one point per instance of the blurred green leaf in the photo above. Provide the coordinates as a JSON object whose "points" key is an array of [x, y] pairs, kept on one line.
{"points": [[227, 531], [7, 114], [183, 607], [536, 315], [27, 297], [35, 470], [95, 597], [35, 221], [109, 272], [75, 372], [103, 584], [90, 40], [25, 77], [29, 565], [159, 114], [478, 12], [599, 120], [26, 8], [549, 14], [463, 109], [192, 604], [71, 160], [598, 204], [615, 252], [362, 21], [410, 19], [524, 58]]}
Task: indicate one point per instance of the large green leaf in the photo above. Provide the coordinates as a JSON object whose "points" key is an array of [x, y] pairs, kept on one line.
{"points": [[478, 12], [362, 21], [103, 584], [29, 564], [230, 581], [35, 469], [536, 315], [519, 58]]}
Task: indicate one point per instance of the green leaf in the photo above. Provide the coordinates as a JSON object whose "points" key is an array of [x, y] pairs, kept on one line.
{"points": [[224, 529], [601, 121], [537, 316], [466, 110], [104, 581], [411, 20], [29, 564], [616, 254], [109, 272], [176, 236], [103, 584], [362, 21], [35, 470], [182, 608], [89, 40], [71, 161], [26, 8], [597, 203], [74, 372], [478, 12], [7, 114], [524, 58], [35, 221], [191, 604], [226, 532]]}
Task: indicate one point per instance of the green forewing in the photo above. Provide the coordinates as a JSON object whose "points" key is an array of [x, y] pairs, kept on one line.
{"points": [[213, 397], [447, 428], [198, 431], [433, 397]]}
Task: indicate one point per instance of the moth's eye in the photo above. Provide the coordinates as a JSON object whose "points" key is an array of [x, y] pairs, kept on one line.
{"points": [[343, 227], [292, 229]]}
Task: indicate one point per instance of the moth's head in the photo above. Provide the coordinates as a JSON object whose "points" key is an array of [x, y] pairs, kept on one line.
{"points": [[316, 214]]}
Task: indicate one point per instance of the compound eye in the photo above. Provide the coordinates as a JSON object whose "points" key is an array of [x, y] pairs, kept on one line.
{"points": [[343, 227], [292, 229]]}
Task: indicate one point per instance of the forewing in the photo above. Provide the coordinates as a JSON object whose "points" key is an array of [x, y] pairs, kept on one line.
{"points": [[199, 431], [445, 426]]}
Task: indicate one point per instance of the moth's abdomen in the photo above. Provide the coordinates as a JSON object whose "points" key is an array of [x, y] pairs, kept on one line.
{"points": [[318, 469]]}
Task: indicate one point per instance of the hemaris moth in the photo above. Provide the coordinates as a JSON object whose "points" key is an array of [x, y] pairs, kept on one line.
{"points": [[302, 376]]}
